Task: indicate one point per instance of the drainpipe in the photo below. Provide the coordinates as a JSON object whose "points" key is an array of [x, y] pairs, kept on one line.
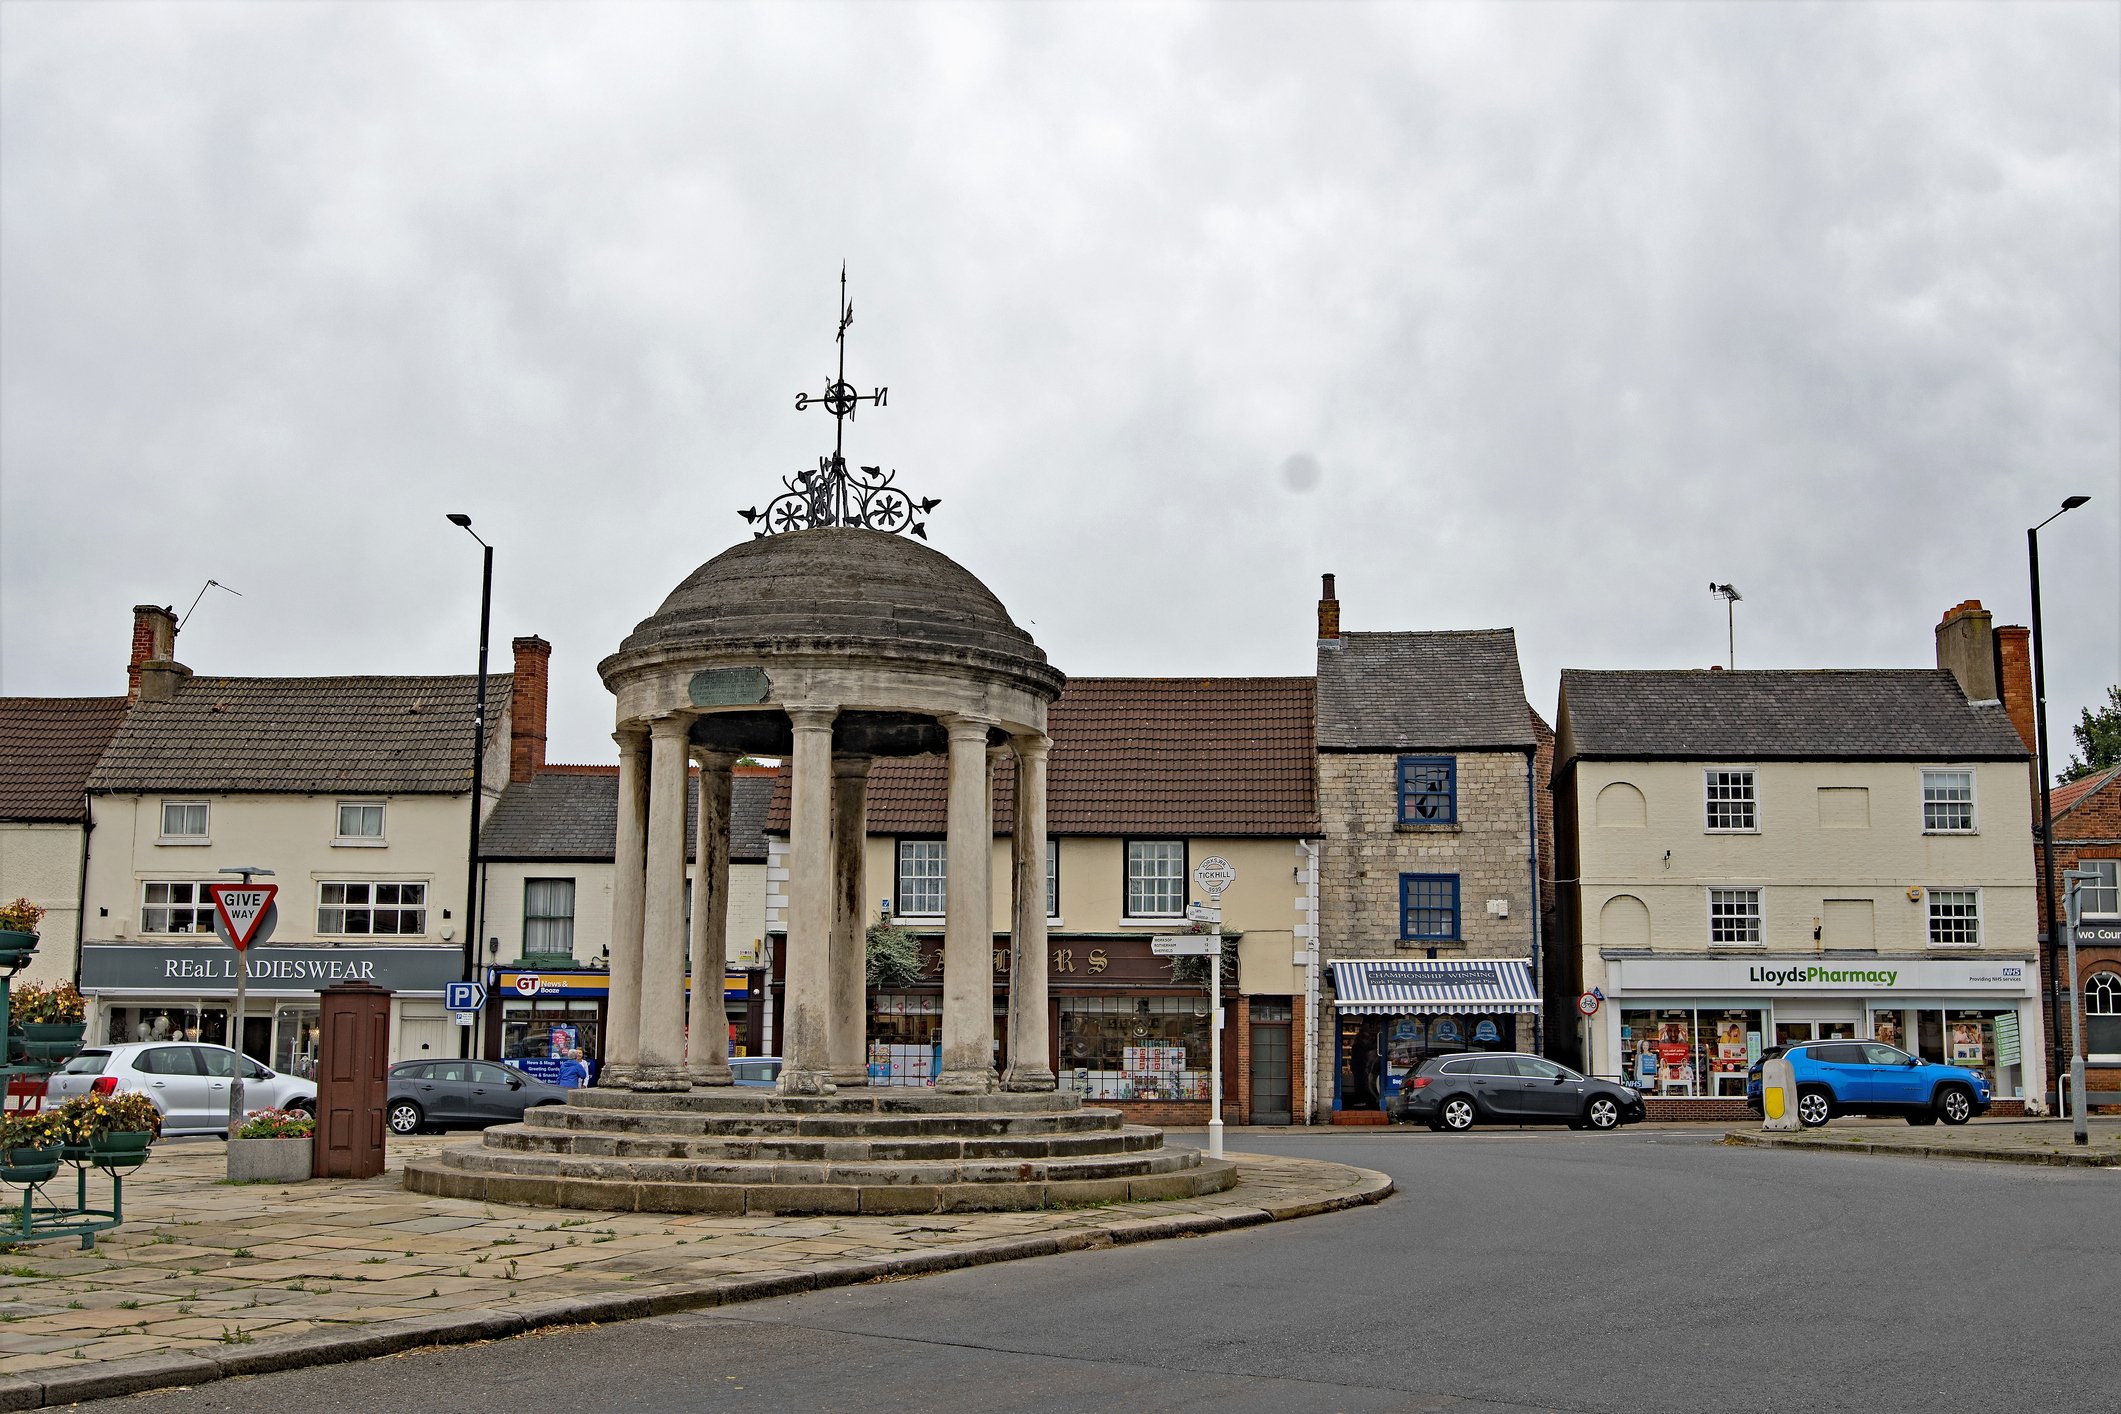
{"points": [[1311, 1020], [1539, 981]]}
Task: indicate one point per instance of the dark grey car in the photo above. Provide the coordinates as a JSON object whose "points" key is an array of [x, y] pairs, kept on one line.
{"points": [[1456, 1092], [453, 1093]]}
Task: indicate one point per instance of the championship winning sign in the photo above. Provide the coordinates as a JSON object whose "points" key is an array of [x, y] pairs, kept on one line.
{"points": [[244, 911]]}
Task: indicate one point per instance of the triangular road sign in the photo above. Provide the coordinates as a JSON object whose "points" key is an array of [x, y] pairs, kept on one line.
{"points": [[242, 908]]}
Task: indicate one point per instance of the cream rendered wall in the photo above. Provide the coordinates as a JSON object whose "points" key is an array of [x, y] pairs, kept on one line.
{"points": [[503, 908], [42, 863]]}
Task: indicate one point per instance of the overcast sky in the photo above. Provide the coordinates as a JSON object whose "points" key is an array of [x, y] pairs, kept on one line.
{"points": [[1537, 315]]}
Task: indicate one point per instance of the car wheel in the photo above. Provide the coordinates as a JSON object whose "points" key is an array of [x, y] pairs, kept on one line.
{"points": [[1954, 1104], [405, 1118], [1603, 1112], [1458, 1114], [1814, 1107]]}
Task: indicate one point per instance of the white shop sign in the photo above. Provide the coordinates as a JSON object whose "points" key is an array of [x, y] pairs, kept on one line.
{"points": [[1785, 976]]}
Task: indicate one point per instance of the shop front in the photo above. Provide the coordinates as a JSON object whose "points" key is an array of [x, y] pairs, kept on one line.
{"points": [[164, 992], [538, 1021], [1685, 1029], [1390, 1016]]}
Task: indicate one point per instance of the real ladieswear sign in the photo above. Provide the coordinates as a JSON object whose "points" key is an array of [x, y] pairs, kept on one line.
{"points": [[1866, 976], [126, 967]]}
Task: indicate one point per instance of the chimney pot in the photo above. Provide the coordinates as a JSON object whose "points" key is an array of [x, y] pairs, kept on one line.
{"points": [[526, 708], [1328, 610], [1966, 647]]}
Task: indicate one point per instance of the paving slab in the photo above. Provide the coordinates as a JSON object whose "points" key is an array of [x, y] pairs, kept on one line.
{"points": [[2019, 1141]]}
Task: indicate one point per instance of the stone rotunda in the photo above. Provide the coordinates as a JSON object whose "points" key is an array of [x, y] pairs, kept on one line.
{"points": [[828, 648]]}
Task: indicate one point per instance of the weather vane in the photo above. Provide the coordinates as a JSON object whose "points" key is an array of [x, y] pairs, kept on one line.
{"points": [[833, 494]]}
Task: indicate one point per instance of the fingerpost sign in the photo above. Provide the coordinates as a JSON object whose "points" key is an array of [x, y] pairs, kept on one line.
{"points": [[1214, 875]]}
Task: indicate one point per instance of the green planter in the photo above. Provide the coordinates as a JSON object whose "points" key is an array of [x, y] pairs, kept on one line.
{"points": [[74, 1031], [15, 948], [29, 1165], [120, 1148]]}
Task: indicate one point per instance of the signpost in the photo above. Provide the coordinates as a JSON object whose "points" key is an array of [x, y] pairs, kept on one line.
{"points": [[2074, 882], [244, 914], [1183, 944], [1214, 875], [464, 999]]}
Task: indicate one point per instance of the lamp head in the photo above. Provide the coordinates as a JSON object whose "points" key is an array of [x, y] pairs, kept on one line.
{"points": [[457, 518], [2070, 503]]}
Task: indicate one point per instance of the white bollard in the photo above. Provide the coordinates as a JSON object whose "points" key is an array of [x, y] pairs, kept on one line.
{"points": [[1778, 1094]]}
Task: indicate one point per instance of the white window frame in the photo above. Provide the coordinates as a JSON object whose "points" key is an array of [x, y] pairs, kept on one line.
{"points": [[1759, 938], [1929, 916], [2108, 893], [200, 904], [574, 894], [369, 906], [342, 840], [1128, 879], [1053, 908], [941, 876], [1709, 801], [2109, 990], [1973, 801], [206, 819]]}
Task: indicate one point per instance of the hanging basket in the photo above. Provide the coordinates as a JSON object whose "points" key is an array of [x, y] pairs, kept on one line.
{"points": [[15, 948], [30, 1165], [55, 1031], [120, 1148]]}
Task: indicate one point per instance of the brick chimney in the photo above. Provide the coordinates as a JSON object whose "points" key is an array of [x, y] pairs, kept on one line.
{"points": [[526, 708], [1328, 611], [2014, 675], [1966, 645], [154, 641]]}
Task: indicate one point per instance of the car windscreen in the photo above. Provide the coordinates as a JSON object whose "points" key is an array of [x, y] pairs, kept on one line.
{"points": [[87, 1063]]}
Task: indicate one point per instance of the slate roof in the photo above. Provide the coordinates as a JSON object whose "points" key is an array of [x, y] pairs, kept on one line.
{"points": [[573, 813], [48, 745], [1888, 714], [1450, 691], [1138, 756], [386, 735]]}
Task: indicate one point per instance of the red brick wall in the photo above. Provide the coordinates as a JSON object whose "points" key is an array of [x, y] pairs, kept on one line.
{"points": [[526, 708], [154, 637], [2014, 659]]}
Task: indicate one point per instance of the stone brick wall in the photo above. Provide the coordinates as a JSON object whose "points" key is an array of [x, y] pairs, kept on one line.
{"points": [[1367, 849]]}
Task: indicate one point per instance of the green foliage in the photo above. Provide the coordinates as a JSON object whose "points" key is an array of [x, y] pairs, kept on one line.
{"points": [[31, 1131], [1193, 971], [86, 1118], [276, 1124], [894, 957], [21, 916], [39, 1005], [2098, 738]]}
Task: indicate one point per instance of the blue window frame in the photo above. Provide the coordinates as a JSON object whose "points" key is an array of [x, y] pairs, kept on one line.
{"points": [[1428, 790], [1428, 908]]}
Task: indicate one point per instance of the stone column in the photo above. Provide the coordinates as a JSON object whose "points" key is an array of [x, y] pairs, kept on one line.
{"points": [[622, 1018], [707, 1029], [1030, 1066], [806, 1036], [968, 931], [661, 1062], [849, 1046]]}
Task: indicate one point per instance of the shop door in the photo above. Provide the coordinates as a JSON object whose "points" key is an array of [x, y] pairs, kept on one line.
{"points": [[257, 1037], [1270, 1072]]}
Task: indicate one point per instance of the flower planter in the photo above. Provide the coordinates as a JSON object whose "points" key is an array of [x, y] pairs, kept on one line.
{"points": [[73, 1031], [268, 1160], [29, 1165], [120, 1149]]}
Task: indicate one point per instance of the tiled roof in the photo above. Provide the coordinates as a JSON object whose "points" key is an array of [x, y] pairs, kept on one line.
{"points": [[388, 735], [48, 745], [1894, 714], [1139, 756], [2066, 797], [1457, 691], [573, 814]]}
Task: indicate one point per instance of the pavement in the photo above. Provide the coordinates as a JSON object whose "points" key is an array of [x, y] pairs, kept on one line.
{"points": [[208, 1279], [2024, 1141]]}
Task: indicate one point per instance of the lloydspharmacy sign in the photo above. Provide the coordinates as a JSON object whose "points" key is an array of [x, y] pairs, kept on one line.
{"points": [[1899, 976], [1815, 976]]}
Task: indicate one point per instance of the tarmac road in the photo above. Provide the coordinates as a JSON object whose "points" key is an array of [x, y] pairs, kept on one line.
{"points": [[1644, 1270]]}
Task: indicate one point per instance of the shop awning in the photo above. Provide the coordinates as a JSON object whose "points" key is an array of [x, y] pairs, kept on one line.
{"points": [[1419, 986]]}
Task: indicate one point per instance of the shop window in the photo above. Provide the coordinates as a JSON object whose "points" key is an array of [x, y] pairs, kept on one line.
{"points": [[548, 1028], [372, 909], [1734, 917], [2104, 896], [548, 916], [1955, 918], [179, 906], [1428, 908], [923, 878], [1691, 1051], [295, 1041], [183, 822], [1156, 878], [165, 1023], [360, 822], [1135, 1048], [1730, 802], [904, 1031], [2102, 1015], [1947, 802], [1428, 790]]}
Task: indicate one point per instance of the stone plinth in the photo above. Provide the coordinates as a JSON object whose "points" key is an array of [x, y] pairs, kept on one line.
{"points": [[887, 1150]]}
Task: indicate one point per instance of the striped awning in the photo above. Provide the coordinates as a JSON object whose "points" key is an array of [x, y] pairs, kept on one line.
{"points": [[1422, 986]]}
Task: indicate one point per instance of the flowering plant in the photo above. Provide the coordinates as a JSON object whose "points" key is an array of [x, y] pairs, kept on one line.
{"points": [[21, 916], [276, 1124], [39, 1005], [86, 1118], [29, 1131]]}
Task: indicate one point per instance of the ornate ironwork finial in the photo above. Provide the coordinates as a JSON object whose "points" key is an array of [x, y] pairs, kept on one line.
{"points": [[833, 494]]}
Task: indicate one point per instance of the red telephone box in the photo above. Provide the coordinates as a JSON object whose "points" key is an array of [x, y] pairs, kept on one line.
{"points": [[353, 1056]]}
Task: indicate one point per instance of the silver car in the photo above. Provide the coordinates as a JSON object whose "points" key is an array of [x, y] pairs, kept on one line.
{"points": [[187, 1081]]}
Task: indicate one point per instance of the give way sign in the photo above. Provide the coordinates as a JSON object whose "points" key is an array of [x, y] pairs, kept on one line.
{"points": [[244, 910]]}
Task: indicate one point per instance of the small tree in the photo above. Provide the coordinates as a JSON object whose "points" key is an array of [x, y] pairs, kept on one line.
{"points": [[2098, 737], [1193, 971], [894, 957]]}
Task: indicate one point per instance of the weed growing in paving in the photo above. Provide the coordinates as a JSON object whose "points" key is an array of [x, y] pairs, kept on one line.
{"points": [[20, 1272], [128, 1305], [162, 1239], [236, 1336], [75, 1306], [241, 1252], [376, 1261]]}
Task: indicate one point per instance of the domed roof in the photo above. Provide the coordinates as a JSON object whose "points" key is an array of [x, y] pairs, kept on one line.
{"points": [[839, 589]]}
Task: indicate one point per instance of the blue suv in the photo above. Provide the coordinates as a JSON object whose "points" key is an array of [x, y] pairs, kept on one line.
{"points": [[1872, 1078]]}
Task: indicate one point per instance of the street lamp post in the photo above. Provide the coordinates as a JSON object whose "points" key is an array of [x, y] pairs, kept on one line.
{"points": [[2047, 801], [2074, 914], [478, 771]]}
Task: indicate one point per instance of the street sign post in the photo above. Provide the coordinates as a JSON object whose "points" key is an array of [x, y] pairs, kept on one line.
{"points": [[463, 996], [244, 916], [1214, 875], [1202, 913], [1183, 944]]}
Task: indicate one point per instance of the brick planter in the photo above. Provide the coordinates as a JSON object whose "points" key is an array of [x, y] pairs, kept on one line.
{"points": [[268, 1160]]}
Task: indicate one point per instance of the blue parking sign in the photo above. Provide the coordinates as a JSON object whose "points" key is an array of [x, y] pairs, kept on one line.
{"points": [[463, 996]]}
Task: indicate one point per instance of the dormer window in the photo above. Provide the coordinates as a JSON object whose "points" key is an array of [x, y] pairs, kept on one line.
{"points": [[183, 822]]}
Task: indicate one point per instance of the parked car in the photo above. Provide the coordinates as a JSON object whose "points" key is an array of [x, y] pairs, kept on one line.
{"points": [[758, 1072], [187, 1081], [450, 1093], [1872, 1078], [1456, 1092]]}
